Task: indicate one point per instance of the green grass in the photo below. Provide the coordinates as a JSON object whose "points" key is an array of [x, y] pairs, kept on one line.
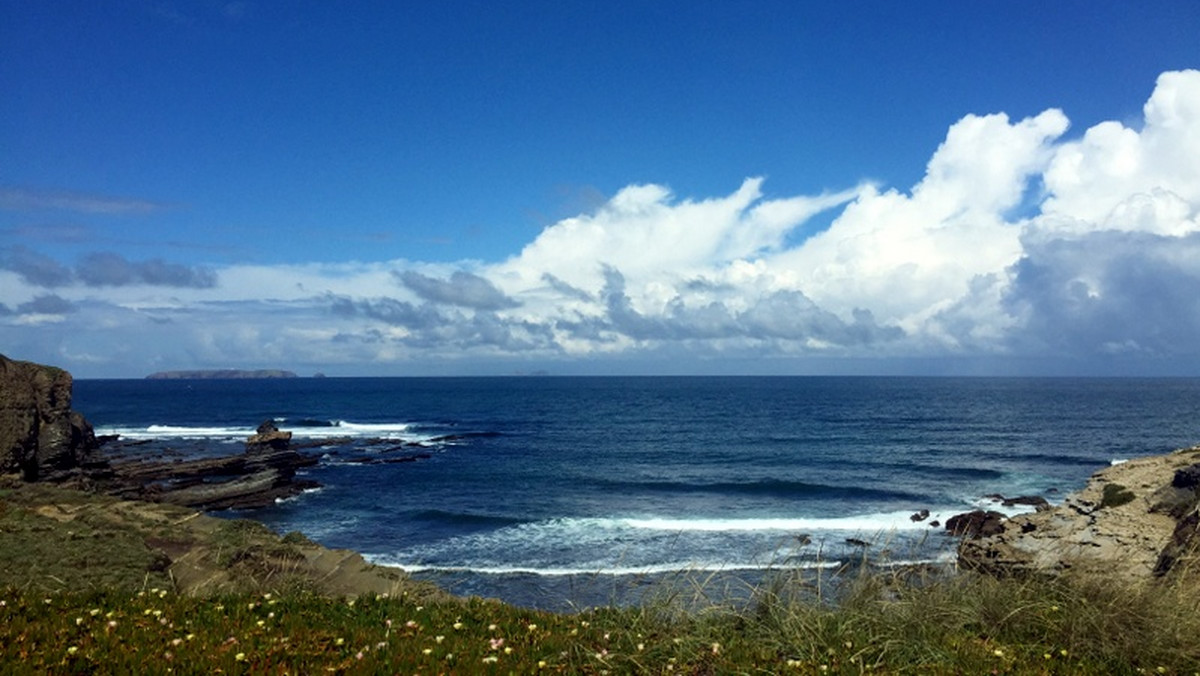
{"points": [[880, 623], [1115, 495]]}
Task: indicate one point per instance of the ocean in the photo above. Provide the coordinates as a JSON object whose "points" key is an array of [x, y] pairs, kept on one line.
{"points": [[561, 492]]}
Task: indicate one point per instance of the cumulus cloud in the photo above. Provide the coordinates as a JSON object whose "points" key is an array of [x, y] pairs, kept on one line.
{"points": [[463, 289], [1023, 239]]}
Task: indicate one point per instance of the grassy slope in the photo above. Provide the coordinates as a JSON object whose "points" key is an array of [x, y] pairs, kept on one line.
{"points": [[86, 588]]}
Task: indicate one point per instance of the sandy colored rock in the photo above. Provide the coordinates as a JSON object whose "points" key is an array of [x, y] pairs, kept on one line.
{"points": [[1122, 523]]}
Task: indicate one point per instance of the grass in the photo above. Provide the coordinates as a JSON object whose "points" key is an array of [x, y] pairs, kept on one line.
{"points": [[82, 591], [880, 623], [1115, 495]]}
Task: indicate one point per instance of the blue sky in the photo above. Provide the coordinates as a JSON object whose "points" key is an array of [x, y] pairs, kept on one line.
{"points": [[658, 187]]}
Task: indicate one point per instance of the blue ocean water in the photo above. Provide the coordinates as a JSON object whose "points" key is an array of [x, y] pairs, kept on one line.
{"points": [[558, 491]]}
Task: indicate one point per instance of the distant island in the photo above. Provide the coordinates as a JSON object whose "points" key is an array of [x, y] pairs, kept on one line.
{"points": [[219, 374]]}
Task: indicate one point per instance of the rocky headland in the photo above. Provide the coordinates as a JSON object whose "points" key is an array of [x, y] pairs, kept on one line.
{"points": [[221, 374], [40, 436], [1137, 520], [43, 439]]}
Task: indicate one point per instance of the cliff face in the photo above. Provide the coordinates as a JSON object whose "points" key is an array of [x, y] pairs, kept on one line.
{"points": [[39, 433], [1137, 520]]}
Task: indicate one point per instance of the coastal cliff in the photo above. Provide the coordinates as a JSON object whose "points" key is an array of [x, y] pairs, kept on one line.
{"points": [[1137, 520], [39, 433]]}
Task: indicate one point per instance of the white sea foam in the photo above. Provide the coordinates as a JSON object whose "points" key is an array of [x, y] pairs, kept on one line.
{"points": [[657, 569], [338, 429], [866, 523], [176, 432]]}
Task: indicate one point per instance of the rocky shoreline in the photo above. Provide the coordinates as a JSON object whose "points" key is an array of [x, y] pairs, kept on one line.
{"points": [[1139, 520]]}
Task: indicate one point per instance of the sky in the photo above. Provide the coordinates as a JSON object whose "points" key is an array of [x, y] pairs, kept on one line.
{"points": [[584, 188]]}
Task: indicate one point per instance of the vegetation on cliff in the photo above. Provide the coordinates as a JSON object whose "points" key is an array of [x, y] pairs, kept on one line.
{"points": [[98, 585]]}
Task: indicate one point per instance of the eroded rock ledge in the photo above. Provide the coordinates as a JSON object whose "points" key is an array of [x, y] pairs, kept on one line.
{"points": [[1137, 520]]}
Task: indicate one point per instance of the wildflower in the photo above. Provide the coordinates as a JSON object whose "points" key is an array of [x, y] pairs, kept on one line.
{"points": [[532, 627], [350, 603], [491, 659], [716, 648], [427, 651], [190, 637], [176, 641], [78, 621], [439, 638], [240, 657], [162, 594], [250, 606], [496, 643], [1047, 655], [358, 655], [420, 608], [1063, 652], [340, 641], [457, 625], [641, 647], [157, 612], [261, 622], [93, 612], [795, 664], [541, 664], [491, 627], [998, 652], [267, 596], [112, 624], [72, 650], [507, 650], [411, 624]]}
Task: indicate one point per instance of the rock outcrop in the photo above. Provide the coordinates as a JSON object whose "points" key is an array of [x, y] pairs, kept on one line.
{"points": [[268, 438], [1134, 520], [40, 436]]}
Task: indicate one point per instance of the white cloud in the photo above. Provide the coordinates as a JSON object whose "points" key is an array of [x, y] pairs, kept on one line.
{"points": [[1016, 243]]}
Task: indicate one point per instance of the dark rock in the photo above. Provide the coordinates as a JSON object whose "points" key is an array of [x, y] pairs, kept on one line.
{"points": [[855, 542], [1038, 503], [935, 524], [40, 436], [920, 515], [977, 523], [268, 437], [228, 482], [1188, 477]]}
